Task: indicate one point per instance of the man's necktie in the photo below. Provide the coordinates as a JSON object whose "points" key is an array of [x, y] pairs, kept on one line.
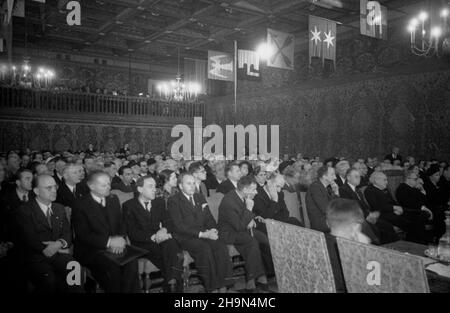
{"points": [[102, 202], [49, 216], [192, 200], [24, 198], [146, 206], [74, 192]]}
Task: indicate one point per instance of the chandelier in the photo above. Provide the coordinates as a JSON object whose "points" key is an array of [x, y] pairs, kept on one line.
{"points": [[430, 34], [177, 90]]}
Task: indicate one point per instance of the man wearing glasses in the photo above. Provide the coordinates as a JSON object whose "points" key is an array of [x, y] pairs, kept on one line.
{"points": [[45, 237]]}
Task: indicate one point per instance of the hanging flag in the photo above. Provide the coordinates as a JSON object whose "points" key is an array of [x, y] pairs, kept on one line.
{"points": [[7, 10], [19, 8], [322, 39], [373, 19], [283, 48], [248, 65], [220, 66]]}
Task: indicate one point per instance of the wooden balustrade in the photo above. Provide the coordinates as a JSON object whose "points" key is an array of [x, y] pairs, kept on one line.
{"points": [[71, 102]]}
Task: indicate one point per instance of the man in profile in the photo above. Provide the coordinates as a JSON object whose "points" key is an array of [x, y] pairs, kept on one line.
{"points": [[236, 227], [319, 194], [100, 231]]}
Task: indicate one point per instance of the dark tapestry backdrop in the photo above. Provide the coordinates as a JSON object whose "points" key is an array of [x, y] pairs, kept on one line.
{"points": [[357, 119], [380, 95], [62, 137]]}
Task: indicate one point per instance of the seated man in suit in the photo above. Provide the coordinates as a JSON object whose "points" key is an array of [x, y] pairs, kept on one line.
{"points": [[319, 194], [233, 172], [144, 168], [394, 156], [111, 169], [380, 199], [196, 231], [344, 218], [99, 228], [270, 204], [14, 198], [149, 227], [126, 180], [68, 191], [44, 235], [413, 198], [216, 176], [379, 231], [341, 170], [236, 227], [60, 164], [198, 171]]}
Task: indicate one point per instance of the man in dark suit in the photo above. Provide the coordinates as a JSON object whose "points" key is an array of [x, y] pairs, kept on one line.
{"points": [[236, 227], [112, 170], [198, 171], [319, 194], [14, 198], [149, 227], [269, 203], [68, 191], [215, 175], [379, 231], [233, 173], [411, 196], [341, 170], [394, 156], [60, 164], [126, 180], [195, 230], [45, 235], [380, 199], [99, 231]]}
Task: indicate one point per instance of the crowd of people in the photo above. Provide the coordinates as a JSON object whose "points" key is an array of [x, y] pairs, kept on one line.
{"points": [[94, 207]]}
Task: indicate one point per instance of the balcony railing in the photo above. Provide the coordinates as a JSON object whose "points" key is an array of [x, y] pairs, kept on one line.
{"points": [[71, 102]]}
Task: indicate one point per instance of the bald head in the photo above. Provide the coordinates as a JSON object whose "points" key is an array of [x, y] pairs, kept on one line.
{"points": [[99, 183], [379, 180], [45, 188]]}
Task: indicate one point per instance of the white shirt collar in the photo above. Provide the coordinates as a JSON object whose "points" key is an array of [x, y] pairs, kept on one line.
{"points": [[21, 194], [188, 197], [234, 184], [44, 207], [98, 199], [143, 203], [71, 188], [351, 186]]}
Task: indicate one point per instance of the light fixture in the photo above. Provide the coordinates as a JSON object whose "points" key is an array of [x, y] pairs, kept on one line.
{"points": [[265, 51], [178, 90], [430, 33]]}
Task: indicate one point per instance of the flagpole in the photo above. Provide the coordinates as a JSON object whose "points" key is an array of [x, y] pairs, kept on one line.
{"points": [[235, 79]]}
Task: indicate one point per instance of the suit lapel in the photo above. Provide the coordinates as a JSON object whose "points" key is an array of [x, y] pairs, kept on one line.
{"points": [[98, 212], [39, 216]]}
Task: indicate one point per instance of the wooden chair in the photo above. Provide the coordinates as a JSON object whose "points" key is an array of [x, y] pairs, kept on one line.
{"points": [[146, 268]]}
